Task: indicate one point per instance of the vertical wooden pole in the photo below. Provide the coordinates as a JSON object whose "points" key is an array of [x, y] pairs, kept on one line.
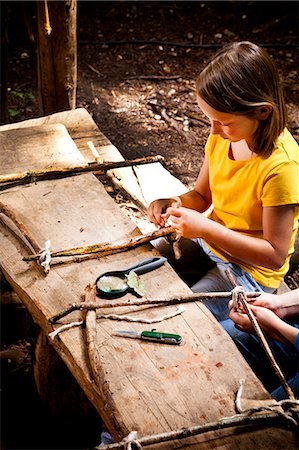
{"points": [[3, 66], [57, 55]]}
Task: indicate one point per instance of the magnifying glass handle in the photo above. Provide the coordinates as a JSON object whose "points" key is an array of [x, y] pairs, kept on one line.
{"points": [[147, 265]]}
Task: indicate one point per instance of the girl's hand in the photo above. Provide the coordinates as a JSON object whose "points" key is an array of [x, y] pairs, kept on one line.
{"points": [[157, 209], [188, 222]]}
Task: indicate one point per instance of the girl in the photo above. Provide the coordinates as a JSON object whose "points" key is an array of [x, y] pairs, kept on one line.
{"points": [[249, 175]]}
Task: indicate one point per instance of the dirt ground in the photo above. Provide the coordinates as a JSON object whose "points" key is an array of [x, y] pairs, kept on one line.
{"points": [[144, 115], [142, 98]]}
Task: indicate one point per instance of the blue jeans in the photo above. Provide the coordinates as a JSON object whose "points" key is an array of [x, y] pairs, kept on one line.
{"points": [[203, 271], [216, 280]]}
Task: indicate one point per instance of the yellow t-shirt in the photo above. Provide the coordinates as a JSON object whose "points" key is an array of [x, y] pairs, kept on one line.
{"points": [[240, 190]]}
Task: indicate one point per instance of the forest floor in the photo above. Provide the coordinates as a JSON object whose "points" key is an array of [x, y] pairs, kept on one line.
{"points": [[142, 97]]}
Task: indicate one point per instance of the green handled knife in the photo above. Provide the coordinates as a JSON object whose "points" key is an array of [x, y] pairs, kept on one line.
{"points": [[163, 338]]}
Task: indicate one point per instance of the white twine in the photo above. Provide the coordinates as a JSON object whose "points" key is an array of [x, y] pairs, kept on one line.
{"points": [[179, 310], [45, 257], [131, 441], [239, 396], [235, 297], [269, 403], [64, 327]]}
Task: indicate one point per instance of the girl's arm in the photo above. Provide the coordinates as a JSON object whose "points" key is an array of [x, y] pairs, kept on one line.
{"points": [[284, 305], [270, 251]]}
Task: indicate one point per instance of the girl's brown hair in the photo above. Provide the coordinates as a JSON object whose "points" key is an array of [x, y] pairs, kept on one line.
{"points": [[241, 78]]}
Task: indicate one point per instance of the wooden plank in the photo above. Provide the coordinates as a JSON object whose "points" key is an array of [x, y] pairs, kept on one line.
{"points": [[80, 127], [153, 387], [52, 143], [146, 386], [137, 182]]}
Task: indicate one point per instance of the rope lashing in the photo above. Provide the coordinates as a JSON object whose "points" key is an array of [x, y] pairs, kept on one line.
{"points": [[45, 257], [131, 442], [235, 297]]}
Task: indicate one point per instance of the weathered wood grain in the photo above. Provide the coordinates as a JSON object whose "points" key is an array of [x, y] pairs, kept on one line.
{"points": [[152, 387]]}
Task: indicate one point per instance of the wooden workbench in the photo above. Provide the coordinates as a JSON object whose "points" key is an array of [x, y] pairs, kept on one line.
{"points": [[146, 387]]}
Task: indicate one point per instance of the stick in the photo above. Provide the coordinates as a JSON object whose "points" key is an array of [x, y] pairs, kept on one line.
{"points": [[192, 297], [154, 77], [98, 375], [21, 178], [94, 70], [115, 247], [198, 119], [4, 209], [91, 337], [174, 125], [264, 417], [260, 335]]}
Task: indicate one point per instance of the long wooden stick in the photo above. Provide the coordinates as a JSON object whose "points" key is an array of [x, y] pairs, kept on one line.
{"points": [[91, 337], [110, 410], [4, 209], [264, 417], [260, 335], [118, 249], [115, 247], [154, 77], [32, 176], [93, 304]]}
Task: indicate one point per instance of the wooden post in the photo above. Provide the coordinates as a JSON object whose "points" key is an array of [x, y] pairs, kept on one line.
{"points": [[3, 67], [57, 55]]}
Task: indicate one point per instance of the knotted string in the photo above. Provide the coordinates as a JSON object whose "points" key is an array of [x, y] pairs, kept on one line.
{"points": [[235, 297], [45, 257]]}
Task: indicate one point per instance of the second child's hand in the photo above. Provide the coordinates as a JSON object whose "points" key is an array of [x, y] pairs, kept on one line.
{"points": [[283, 305], [270, 323]]}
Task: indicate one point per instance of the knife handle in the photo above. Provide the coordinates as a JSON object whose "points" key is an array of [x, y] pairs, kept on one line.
{"points": [[165, 338]]}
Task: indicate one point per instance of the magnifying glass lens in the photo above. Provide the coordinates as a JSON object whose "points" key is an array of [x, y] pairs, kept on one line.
{"points": [[111, 284]]}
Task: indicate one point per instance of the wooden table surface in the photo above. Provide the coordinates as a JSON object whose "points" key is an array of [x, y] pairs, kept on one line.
{"points": [[146, 386]]}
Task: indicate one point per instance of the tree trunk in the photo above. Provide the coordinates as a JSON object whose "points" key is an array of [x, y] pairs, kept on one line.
{"points": [[3, 68], [57, 55]]}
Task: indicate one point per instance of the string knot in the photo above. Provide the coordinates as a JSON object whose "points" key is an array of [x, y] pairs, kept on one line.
{"points": [[235, 297], [44, 257], [131, 441]]}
